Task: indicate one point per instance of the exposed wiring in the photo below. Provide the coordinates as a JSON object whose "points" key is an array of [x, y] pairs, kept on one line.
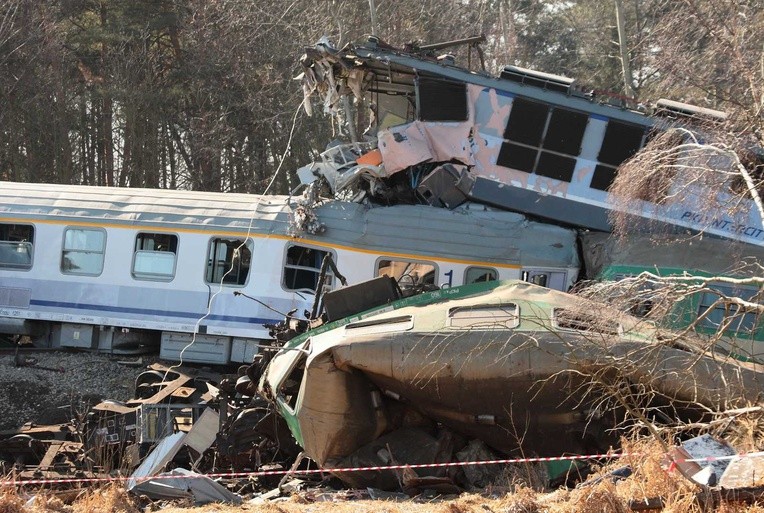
{"points": [[240, 293], [243, 244]]}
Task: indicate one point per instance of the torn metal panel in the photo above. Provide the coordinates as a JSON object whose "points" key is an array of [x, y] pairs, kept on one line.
{"points": [[157, 459], [181, 483], [605, 255], [744, 472], [535, 143], [711, 455], [446, 186], [404, 146], [486, 361], [202, 434]]}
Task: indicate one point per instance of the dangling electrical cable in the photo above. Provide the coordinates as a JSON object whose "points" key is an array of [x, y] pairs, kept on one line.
{"points": [[237, 251]]}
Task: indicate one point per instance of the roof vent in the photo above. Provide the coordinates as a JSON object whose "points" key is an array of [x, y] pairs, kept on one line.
{"points": [[537, 78], [670, 108]]}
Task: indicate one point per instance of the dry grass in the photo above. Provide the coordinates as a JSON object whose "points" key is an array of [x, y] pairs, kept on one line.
{"points": [[10, 502], [650, 479]]}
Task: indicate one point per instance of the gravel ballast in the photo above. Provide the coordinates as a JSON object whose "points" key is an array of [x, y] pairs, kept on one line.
{"points": [[78, 380]]}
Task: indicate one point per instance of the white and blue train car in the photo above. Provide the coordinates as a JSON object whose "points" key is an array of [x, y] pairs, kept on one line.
{"points": [[124, 269]]}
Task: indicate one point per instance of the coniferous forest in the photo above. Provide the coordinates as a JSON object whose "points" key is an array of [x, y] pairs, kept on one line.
{"points": [[201, 94]]}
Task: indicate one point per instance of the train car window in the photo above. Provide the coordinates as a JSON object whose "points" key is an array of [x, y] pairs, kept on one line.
{"points": [[442, 100], [620, 142], [303, 267], [542, 140], [478, 274], [83, 251], [16, 246], [729, 318], [155, 256], [228, 261], [527, 121], [411, 276]]}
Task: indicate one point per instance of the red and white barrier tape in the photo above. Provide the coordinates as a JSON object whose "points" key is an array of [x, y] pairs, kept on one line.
{"points": [[312, 471], [262, 473]]}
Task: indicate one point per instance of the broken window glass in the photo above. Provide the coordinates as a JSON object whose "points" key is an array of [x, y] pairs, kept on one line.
{"points": [[478, 274], [408, 274], [155, 256], [83, 251], [290, 387], [228, 261], [16, 245], [303, 268]]}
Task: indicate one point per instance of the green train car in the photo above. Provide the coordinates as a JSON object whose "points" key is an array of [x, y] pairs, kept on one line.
{"points": [[735, 330]]}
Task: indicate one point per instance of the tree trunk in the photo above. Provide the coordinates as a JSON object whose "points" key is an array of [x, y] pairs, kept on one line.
{"points": [[628, 78]]}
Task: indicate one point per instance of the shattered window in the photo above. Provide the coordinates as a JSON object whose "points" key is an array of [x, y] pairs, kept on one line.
{"points": [[478, 274], [228, 261], [290, 387], [489, 316], [543, 140], [442, 100], [155, 256], [729, 317], [408, 274], [303, 268], [83, 251], [393, 110], [16, 244]]}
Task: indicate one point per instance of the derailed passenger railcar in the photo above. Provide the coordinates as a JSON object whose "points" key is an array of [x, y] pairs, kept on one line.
{"points": [[115, 269]]}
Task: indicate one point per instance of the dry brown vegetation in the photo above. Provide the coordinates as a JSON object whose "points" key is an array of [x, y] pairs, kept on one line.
{"points": [[651, 479]]}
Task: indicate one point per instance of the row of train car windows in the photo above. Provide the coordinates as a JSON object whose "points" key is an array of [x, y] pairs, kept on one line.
{"points": [[228, 260], [154, 255], [546, 140], [538, 138]]}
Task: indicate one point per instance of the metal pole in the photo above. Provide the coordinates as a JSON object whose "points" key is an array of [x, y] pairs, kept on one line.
{"points": [[374, 27]]}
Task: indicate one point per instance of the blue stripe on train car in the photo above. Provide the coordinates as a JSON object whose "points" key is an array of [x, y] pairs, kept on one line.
{"points": [[145, 311]]}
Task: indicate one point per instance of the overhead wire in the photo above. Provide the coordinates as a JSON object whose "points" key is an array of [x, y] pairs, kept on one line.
{"points": [[237, 252]]}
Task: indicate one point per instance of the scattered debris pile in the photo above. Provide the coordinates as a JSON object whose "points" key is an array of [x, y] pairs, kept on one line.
{"points": [[646, 478], [181, 423]]}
